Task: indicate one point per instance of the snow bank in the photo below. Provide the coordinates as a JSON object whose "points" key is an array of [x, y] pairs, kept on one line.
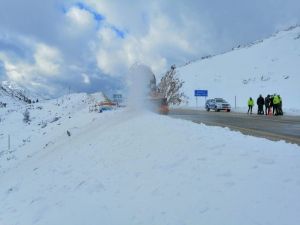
{"points": [[131, 168]]}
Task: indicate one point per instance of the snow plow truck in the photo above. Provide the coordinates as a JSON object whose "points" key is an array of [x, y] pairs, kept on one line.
{"points": [[144, 91], [157, 101]]}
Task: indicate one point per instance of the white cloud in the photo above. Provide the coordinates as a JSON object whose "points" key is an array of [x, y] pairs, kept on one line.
{"points": [[47, 63], [163, 44], [79, 21], [48, 60], [125, 14], [155, 35], [65, 39], [86, 78]]}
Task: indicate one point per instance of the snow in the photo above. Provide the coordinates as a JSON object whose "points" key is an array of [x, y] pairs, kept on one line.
{"points": [[48, 119], [72, 166], [10, 88], [266, 67], [132, 167]]}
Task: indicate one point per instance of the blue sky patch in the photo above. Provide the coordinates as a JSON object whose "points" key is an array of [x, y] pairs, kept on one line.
{"points": [[119, 32], [97, 16]]}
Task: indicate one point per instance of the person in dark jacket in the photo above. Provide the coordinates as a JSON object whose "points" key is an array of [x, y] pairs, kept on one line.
{"points": [[280, 112], [260, 104], [271, 104], [267, 104]]}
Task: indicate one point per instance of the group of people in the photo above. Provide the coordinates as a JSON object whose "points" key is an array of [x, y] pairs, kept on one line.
{"points": [[2, 104], [271, 103]]}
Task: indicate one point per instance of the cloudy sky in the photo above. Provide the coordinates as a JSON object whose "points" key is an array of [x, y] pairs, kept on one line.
{"points": [[89, 45]]}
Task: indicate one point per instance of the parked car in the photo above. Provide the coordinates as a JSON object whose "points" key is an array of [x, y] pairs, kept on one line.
{"points": [[217, 104]]}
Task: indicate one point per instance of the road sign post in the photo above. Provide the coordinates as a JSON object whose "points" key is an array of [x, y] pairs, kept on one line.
{"points": [[8, 142], [235, 101], [118, 98], [200, 93]]}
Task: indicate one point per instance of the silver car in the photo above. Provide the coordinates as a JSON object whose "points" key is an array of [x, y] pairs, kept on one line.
{"points": [[217, 104]]}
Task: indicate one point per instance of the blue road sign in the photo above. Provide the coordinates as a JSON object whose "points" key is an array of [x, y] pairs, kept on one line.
{"points": [[201, 93], [118, 98]]}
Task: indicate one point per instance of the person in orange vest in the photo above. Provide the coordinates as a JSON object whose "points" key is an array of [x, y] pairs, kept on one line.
{"points": [[250, 105]]}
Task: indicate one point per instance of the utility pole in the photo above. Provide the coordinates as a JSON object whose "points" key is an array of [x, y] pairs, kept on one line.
{"points": [[235, 101], [8, 142]]}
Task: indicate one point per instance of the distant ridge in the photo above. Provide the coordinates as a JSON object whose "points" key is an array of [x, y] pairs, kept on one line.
{"points": [[16, 92], [241, 46]]}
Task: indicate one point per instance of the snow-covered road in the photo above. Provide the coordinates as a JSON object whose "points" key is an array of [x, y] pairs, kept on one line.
{"points": [[272, 127]]}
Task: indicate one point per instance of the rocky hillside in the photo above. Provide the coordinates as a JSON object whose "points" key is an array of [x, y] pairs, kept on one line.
{"points": [[10, 91]]}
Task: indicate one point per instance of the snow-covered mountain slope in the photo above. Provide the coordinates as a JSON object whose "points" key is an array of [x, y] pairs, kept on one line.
{"points": [[10, 91], [265, 67], [48, 118], [124, 167]]}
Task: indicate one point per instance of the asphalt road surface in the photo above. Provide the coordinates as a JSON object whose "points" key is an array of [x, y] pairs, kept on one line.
{"points": [[272, 127]]}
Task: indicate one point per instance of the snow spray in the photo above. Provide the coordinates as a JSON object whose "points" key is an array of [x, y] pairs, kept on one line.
{"points": [[140, 77]]}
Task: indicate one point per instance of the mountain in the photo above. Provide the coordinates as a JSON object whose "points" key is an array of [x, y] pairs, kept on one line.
{"points": [[11, 91], [264, 67]]}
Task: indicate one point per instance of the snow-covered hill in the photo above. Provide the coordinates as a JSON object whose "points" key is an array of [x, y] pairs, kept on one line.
{"points": [[12, 92], [48, 119], [266, 67], [126, 167]]}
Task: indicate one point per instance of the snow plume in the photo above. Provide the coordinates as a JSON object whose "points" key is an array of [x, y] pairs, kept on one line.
{"points": [[139, 79]]}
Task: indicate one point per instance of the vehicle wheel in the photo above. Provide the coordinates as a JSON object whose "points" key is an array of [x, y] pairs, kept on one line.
{"points": [[218, 110], [207, 109]]}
